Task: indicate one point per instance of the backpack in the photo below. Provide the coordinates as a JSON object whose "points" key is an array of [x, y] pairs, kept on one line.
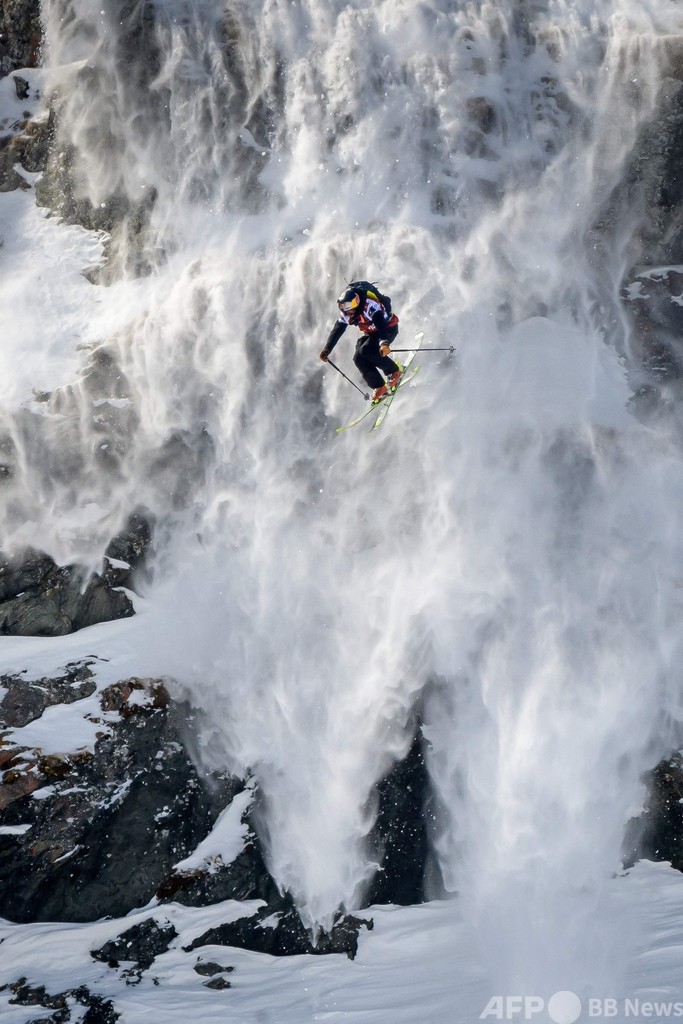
{"points": [[372, 292]]}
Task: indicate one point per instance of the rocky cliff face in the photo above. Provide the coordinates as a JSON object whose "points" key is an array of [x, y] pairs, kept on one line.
{"points": [[657, 834], [40, 598], [127, 818], [20, 35], [23, 139], [653, 285]]}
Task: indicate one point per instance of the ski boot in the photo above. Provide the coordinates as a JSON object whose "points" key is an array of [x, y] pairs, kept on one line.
{"points": [[393, 380]]}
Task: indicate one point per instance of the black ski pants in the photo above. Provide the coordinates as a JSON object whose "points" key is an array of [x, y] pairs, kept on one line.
{"points": [[369, 360]]}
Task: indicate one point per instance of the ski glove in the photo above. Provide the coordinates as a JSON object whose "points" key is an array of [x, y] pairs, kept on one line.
{"points": [[324, 354], [384, 349]]}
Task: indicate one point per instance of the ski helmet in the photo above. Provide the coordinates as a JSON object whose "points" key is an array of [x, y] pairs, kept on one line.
{"points": [[348, 302]]}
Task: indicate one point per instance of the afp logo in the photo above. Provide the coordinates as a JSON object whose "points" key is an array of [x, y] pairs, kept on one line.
{"points": [[562, 1008]]}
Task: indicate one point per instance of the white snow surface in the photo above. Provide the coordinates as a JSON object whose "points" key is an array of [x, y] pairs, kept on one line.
{"points": [[415, 965], [58, 730], [506, 550], [226, 839], [13, 830]]}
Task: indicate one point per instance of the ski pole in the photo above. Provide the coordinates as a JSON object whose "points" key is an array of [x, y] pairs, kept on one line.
{"points": [[450, 349], [330, 363]]}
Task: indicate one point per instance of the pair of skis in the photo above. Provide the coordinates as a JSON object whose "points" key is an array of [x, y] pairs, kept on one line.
{"points": [[382, 407]]}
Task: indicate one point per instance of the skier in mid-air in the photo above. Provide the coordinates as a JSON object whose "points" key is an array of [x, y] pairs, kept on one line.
{"points": [[363, 306]]}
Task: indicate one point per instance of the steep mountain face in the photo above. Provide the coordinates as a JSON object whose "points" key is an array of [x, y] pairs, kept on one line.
{"points": [[362, 674], [39, 598], [98, 832]]}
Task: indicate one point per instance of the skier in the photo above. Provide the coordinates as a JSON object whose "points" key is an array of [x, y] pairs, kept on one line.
{"points": [[361, 305]]}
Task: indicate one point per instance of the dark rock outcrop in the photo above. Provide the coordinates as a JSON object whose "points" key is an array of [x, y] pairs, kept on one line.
{"points": [[112, 822], [10, 179], [653, 297], [399, 840], [657, 834], [135, 950], [208, 969], [653, 182], [20, 35], [245, 878], [40, 598], [132, 547], [139, 945], [657, 164], [27, 143], [217, 983], [278, 930], [25, 700], [97, 1009], [22, 141]]}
